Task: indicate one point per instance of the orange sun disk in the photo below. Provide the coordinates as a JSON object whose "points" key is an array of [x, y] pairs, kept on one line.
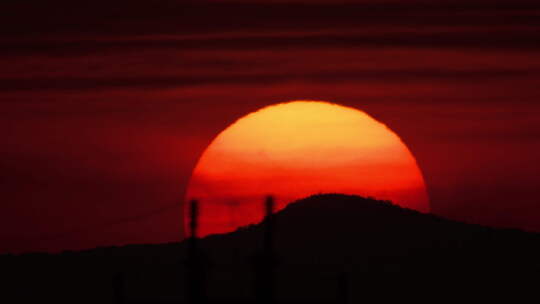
{"points": [[296, 149]]}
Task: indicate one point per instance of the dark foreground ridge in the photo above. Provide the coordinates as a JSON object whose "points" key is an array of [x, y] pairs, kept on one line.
{"points": [[328, 248]]}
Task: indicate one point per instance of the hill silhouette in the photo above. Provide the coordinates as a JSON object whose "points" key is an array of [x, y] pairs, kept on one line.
{"points": [[327, 248]]}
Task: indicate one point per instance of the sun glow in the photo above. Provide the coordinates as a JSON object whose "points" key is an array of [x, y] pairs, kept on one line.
{"points": [[296, 149]]}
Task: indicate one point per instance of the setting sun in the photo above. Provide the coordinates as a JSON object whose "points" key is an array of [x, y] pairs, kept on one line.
{"points": [[295, 149]]}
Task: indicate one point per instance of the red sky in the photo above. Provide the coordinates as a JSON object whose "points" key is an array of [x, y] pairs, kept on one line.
{"points": [[105, 109]]}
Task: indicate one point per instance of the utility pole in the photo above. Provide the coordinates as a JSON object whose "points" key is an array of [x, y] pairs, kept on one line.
{"points": [[195, 264], [265, 260]]}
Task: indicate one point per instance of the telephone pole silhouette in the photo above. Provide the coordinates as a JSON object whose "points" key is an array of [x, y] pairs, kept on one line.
{"points": [[196, 263], [265, 260]]}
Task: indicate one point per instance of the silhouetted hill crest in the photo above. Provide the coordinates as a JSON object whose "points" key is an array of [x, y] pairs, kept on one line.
{"points": [[343, 222], [378, 243]]}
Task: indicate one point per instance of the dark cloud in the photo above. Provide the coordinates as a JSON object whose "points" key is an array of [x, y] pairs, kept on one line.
{"points": [[165, 16], [510, 38], [413, 75]]}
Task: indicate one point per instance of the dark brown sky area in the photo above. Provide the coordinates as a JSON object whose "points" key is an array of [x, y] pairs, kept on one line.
{"points": [[106, 106]]}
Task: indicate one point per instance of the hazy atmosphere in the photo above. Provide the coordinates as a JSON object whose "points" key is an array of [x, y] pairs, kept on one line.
{"points": [[106, 108]]}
